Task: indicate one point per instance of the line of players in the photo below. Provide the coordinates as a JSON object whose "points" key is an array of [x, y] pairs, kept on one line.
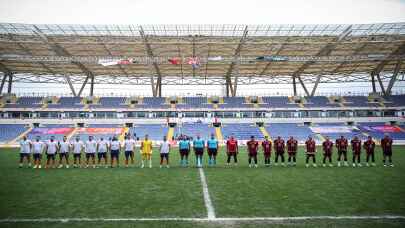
{"points": [[341, 144], [91, 148], [101, 147]]}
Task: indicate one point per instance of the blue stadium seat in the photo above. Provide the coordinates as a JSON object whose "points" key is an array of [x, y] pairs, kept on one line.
{"points": [[241, 131], [10, 131], [194, 129], [155, 131]]}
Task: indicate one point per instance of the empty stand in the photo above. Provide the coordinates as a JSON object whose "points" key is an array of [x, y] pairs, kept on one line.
{"points": [[9, 132], [241, 131]]}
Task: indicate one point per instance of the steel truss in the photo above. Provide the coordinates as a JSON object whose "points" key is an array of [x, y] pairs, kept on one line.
{"points": [[220, 80]]}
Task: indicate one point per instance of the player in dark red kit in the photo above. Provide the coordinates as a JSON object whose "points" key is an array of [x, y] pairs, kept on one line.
{"points": [[252, 146], [356, 149], [369, 146], [386, 145], [232, 150], [341, 145], [311, 150], [292, 146], [266, 145], [327, 146], [279, 147]]}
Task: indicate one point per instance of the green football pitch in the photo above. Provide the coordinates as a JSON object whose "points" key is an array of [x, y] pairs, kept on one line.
{"points": [[279, 195]]}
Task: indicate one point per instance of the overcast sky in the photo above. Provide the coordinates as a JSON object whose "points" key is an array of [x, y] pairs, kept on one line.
{"points": [[202, 12]]}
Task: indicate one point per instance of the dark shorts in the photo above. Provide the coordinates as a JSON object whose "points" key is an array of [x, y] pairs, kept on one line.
{"points": [[164, 155], [212, 151], [252, 154], [77, 155], [102, 155], [267, 155], [128, 153], [342, 152], [50, 156], [63, 155], [280, 152], [230, 154], [388, 153], [115, 154], [292, 153], [310, 155], [184, 151], [37, 156], [327, 154], [199, 151], [25, 155], [90, 155]]}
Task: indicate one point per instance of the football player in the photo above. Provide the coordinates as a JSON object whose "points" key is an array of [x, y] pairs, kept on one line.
{"points": [[356, 149], [386, 145], [252, 146], [310, 151]]}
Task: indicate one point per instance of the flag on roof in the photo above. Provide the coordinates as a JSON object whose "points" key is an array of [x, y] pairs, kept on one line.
{"points": [[272, 58], [215, 58], [175, 61], [194, 62], [111, 62]]}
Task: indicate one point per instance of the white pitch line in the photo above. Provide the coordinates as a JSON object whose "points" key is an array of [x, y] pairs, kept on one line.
{"points": [[271, 219], [206, 194]]}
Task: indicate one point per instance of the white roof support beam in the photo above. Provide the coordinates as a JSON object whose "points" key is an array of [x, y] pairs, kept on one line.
{"points": [[83, 85], [318, 79], [62, 52], [325, 51], [381, 84], [393, 78], [231, 88], [156, 89], [69, 82]]}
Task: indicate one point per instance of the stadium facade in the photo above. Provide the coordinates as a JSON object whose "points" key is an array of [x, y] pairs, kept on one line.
{"points": [[229, 56]]}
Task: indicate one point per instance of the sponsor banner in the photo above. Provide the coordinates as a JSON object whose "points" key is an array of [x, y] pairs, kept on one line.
{"points": [[332, 129], [383, 128], [114, 131], [51, 131]]}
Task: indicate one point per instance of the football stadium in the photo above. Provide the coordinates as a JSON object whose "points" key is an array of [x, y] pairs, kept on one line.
{"points": [[202, 125]]}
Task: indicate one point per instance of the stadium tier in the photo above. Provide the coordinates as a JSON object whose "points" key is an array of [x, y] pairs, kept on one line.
{"points": [[9, 132], [185, 103], [68, 102], [194, 129], [242, 131], [285, 130], [155, 131], [110, 102]]}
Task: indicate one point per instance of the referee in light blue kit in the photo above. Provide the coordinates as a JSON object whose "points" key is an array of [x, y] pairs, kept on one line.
{"points": [[212, 147], [198, 145]]}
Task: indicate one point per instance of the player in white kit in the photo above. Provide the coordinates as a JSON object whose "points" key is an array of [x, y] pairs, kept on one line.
{"points": [[77, 147], [51, 149], [129, 148], [102, 149], [37, 149], [164, 152], [90, 150], [64, 148], [25, 151], [115, 147]]}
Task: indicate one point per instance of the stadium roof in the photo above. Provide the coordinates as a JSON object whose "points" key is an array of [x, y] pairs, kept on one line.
{"points": [[227, 54]]}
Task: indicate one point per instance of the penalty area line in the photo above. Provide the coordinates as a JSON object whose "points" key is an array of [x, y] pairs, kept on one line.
{"points": [[234, 219]]}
